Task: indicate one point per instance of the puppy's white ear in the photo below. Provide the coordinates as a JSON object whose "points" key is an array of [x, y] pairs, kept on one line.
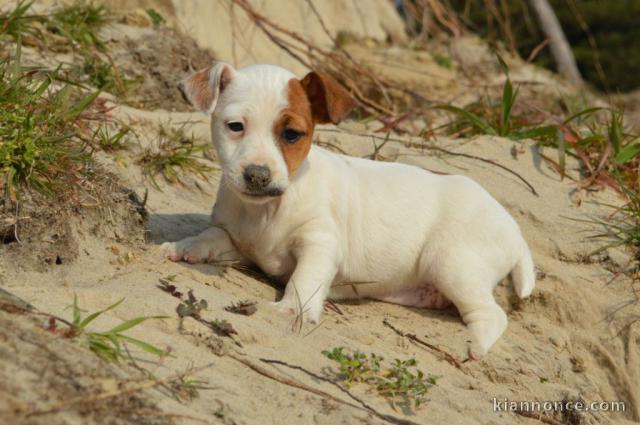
{"points": [[330, 102], [203, 88]]}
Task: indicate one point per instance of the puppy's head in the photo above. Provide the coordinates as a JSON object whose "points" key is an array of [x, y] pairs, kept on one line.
{"points": [[262, 121]]}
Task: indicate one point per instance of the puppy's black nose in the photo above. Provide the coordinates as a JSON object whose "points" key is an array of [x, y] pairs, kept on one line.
{"points": [[256, 177]]}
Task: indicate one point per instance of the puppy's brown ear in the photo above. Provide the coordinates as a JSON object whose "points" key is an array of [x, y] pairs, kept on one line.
{"points": [[203, 88], [330, 102]]}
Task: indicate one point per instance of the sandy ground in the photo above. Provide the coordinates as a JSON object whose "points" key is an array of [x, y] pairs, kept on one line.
{"points": [[561, 343], [576, 337]]}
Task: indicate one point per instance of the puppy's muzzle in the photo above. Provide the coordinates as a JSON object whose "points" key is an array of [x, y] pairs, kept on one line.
{"points": [[257, 179]]}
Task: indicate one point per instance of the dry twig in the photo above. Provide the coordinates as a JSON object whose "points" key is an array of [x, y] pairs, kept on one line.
{"points": [[412, 337], [290, 382]]}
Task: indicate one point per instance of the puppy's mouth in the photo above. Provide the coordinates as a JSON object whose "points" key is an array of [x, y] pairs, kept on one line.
{"points": [[271, 193]]}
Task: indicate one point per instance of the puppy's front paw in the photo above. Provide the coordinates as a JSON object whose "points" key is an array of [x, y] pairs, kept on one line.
{"points": [[190, 250]]}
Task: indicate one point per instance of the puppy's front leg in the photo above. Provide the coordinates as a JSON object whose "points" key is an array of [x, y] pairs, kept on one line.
{"points": [[309, 285], [212, 245]]}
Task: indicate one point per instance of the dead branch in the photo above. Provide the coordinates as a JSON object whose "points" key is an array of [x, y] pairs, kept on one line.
{"points": [[445, 151], [412, 337], [337, 62], [286, 381], [560, 49]]}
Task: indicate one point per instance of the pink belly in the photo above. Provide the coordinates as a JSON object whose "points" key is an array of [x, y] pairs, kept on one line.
{"points": [[425, 296]]}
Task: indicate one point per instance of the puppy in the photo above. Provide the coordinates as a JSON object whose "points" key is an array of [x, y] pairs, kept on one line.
{"points": [[339, 227]]}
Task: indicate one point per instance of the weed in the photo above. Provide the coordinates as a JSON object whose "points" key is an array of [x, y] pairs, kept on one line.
{"points": [[77, 26], [246, 308], [191, 307], [398, 383], [442, 60], [167, 285], [156, 18], [41, 129], [80, 22], [112, 139], [223, 328], [497, 119], [108, 345], [176, 153], [103, 75], [17, 23]]}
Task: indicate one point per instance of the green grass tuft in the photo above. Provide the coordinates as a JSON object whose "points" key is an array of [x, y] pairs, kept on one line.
{"points": [[156, 18], [41, 130], [497, 118], [17, 23], [175, 154], [80, 22], [108, 345]]}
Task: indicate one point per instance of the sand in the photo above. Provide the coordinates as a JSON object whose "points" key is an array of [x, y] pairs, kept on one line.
{"points": [[576, 337]]}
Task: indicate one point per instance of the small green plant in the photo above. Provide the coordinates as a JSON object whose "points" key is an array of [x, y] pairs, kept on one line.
{"points": [[176, 153], [497, 119], [103, 75], [401, 383], [156, 18], [112, 139], [17, 23], [80, 22], [108, 345], [75, 26], [442, 60]]}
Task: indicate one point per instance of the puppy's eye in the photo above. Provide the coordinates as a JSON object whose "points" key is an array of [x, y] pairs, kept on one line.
{"points": [[235, 126], [290, 135]]}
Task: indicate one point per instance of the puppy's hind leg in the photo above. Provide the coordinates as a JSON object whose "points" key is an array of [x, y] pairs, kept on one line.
{"points": [[469, 286]]}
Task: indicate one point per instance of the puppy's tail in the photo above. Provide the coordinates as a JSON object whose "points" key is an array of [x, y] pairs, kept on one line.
{"points": [[524, 274]]}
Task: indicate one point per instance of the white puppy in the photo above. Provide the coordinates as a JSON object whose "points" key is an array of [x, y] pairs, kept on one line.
{"points": [[339, 227]]}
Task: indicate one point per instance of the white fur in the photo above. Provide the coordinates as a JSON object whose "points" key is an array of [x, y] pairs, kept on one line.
{"points": [[347, 227]]}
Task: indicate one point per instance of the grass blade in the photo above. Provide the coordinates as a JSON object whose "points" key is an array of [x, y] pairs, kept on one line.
{"points": [[627, 153], [581, 113], [90, 318], [144, 345], [83, 104], [545, 132], [508, 99], [133, 322], [561, 153], [471, 118], [76, 311], [615, 131]]}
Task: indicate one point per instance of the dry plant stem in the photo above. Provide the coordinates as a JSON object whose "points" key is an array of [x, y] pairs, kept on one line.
{"points": [[320, 378], [412, 337], [448, 152], [337, 62], [286, 381]]}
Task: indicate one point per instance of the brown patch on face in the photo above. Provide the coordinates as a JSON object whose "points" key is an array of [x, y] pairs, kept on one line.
{"points": [[296, 116]]}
